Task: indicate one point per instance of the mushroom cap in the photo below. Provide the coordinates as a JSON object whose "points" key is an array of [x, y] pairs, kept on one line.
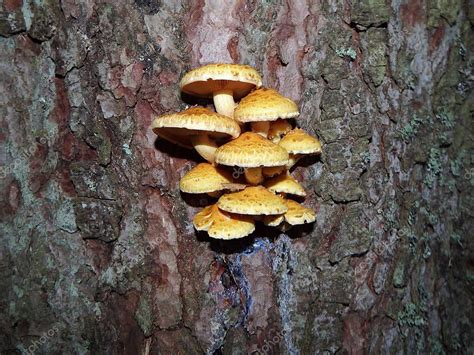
{"points": [[180, 127], [254, 200], [278, 129], [203, 81], [223, 225], [298, 214], [286, 184], [251, 150], [265, 105], [297, 141], [204, 178]]}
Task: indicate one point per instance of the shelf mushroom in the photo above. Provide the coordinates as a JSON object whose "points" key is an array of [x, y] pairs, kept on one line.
{"points": [[253, 200], [196, 127], [297, 214], [222, 82], [205, 178], [299, 143], [285, 184], [278, 129], [273, 171], [263, 106], [223, 225], [252, 152]]}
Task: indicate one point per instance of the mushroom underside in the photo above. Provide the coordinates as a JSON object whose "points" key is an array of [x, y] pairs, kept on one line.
{"points": [[204, 142]]}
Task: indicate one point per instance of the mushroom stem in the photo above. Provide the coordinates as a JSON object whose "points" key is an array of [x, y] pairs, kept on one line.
{"points": [[261, 128], [204, 146], [253, 175], [293, 160], [224, 102]]}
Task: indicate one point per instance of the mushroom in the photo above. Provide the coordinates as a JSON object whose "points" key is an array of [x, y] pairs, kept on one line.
{"points": [[262, 106], [278, 129], [253, 200], [251, 151], [205, 178], [297, 214], [223, 225], [298, 143], [196, 127], [273, 220], [273, 171], [285, 184], [222, 82]]}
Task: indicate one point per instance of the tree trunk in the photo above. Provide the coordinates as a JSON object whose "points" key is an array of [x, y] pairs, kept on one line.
{"points": [[98, 250]]}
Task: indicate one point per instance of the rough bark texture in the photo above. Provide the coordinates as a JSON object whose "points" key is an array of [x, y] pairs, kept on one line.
{"points": [[98, 252]]}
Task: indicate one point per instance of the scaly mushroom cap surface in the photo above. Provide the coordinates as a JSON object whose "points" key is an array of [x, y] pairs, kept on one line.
{"points": [[278, 129], [297, 141], [204, 178], [298, 214], [251, 150], [285, 184], [254, 200], [223, 225], [238, 78], [265, 105], [180, 127]]}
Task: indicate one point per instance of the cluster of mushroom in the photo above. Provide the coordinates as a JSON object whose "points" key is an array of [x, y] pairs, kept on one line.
{"points": [[266, 150]]}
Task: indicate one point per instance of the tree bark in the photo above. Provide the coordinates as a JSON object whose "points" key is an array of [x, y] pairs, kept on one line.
{"points": [[98, 251]]}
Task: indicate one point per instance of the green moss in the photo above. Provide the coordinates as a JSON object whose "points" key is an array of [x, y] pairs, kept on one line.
{"points": [[411, 128], [410, 317], [365, 157], [144, 316], [390, 215], [434, 167], [370, 12], [456, 165], [399, 275], [346, 52], [446, 119], [442, 9]]}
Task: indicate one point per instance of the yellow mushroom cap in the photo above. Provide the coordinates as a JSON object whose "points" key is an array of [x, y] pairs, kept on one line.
{"points": [[222, 225], [254, 200], [285, 183], [298, 214], [203, 81], [265, 105], [251, 150], [204, 178], [298, 141], [180, 127], [278, 129]]}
